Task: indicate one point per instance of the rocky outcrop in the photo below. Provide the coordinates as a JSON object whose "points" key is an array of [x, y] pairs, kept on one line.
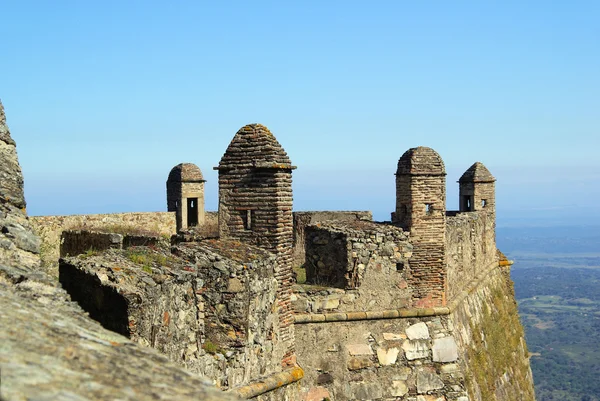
{"points": [[18, 245], [49, 348]]}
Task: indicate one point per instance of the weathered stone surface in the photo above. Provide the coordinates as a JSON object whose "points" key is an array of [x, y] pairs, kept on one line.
{"points": [[366, 391], [359, 349], [209, 306], [22, 237], [303, 219], [491, 342], [324, 378], [417, 331], [255, 206], [356, 363], [18, 246], [50, 348], [471, 245], [317, 394], [444, 350], [428, 381], [421, 209], [387, 356], [351, 256], [394, 336], [50, 229], [415, 349], [449, 368], [399, 388], [431, 398]]}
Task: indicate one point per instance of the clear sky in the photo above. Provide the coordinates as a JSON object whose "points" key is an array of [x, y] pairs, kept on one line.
{"points": [[103, 98]]}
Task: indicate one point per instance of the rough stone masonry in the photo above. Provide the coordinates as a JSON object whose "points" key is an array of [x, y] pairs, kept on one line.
{"points": [[49, 347], [255, 206], [419, 309]]}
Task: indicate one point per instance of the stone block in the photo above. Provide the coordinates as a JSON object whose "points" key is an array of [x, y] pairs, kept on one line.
{"points": [[415, 349], [428, 381], [399, 388], [366, 391], [359, 349], [387, 356], [357, 363], [449, 368], [330, 303], [445, 350], [393, 336], [235, 285], [418, 331], [317, 394], [402, 373], [324, 378]]}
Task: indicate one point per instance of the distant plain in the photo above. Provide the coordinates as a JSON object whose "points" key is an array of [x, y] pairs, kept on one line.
{"points": [[557, 280]]}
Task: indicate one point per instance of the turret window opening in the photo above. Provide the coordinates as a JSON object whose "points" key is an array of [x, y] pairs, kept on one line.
{"points": [[192, 212], [483, 202], [428, 208], [247, 219], [468, 202]]}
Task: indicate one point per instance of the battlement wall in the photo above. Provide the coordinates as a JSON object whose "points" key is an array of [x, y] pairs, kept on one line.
{"points": [[470, 247], [50, 229], [306, 218]]}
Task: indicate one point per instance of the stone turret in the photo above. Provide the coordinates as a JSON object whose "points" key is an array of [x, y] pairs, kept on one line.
{"points": [[255, 206], [421, 209], [185, 195], [477, 190]]}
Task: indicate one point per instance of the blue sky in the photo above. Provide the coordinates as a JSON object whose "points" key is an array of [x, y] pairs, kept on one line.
{"points": [[103, 98]]}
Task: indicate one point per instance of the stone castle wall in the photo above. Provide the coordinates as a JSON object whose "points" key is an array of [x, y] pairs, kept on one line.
{"points": [[366, 262], [493, 354], [50, 229], [76, 242], [380, 359], [470, 247], [212, 314], [255, 206], [303, 219], [50, 348], [472, 350]]}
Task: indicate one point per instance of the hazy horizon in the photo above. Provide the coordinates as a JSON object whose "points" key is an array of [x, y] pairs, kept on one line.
{"points": [[103, 99]]}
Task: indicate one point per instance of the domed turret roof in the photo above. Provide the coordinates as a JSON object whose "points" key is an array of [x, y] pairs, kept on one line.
{"points": [[421, 161], [477, 173], [186, 172], [255, 146]]}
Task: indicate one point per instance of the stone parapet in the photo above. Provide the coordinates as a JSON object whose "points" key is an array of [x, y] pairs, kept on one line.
{"points": [[209, 306], [50, 229], [366, 262], [470, 247], [306, 218]]}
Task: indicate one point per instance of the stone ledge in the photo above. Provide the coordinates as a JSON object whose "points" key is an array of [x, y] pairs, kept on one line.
{"points": [[399, 313], [269, 383], [370, 315]]}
